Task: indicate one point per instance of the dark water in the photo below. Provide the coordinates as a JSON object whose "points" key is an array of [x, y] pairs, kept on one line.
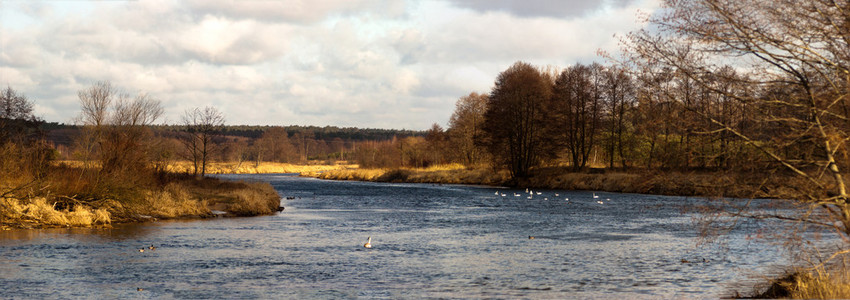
{"points": [[430, 241]]}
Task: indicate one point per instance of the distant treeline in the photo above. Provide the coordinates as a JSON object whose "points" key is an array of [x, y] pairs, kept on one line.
{"points": [[255, 131], [292, 144]]}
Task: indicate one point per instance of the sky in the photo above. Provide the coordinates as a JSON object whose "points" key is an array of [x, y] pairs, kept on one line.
{"points": [[349, 63]]}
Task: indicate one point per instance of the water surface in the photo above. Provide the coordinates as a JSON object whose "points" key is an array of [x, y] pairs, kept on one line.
{"points": [[430, 241]]}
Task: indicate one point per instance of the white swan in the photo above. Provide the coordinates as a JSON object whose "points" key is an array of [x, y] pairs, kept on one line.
{"points": [[595, 196], [368, 243]]}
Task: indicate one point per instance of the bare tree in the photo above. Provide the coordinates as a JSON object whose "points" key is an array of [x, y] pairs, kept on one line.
{"points": [[14, 106], [16, 118], [793, 58], [516, 121], [115, 128], [619, 99], [95, 102], [22, 151], [465, 124], [577, 108], [276, 146], [201, 127]]}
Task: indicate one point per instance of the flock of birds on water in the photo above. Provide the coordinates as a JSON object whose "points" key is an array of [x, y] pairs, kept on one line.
{"points": [[532, 193]]}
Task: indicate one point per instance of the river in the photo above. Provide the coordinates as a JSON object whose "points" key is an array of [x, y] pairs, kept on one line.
{"points": [[429, 241]]}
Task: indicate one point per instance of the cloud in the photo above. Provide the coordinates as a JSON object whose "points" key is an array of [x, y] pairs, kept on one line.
{"points": [[366, 63], [554, 9], [295, 11]]}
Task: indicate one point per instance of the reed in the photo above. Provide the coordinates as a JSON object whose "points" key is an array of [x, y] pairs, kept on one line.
{"points": [[254, 199], [172, 201], [809, 284], [37, 212]]}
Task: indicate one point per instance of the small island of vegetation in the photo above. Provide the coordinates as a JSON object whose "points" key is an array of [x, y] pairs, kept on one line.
{"points": [[120, 174]]}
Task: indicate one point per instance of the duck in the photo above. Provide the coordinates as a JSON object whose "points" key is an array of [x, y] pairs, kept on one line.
{"points": [[152, 248], [595, 196], [142, 250], [368, 243]]}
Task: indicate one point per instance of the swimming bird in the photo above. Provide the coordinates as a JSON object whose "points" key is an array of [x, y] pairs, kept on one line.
{"points": [[595, 196], [526, 190], [530, 237], [152, 248], [516, 195], [539, 193], [503, 194], [556, 194], [600, 202], [142, 250], [497, 193], [368, 243]]}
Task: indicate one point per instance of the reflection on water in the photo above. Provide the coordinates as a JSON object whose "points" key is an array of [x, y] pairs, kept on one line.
{"points": [[428, 241]]}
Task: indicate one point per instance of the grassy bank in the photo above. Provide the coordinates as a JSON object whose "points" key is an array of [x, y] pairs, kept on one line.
{"points": [[636, 181], [178, 196]]}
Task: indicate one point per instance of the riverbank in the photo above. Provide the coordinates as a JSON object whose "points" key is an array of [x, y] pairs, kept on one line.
{"points": [[180, 197], [704, 184]]}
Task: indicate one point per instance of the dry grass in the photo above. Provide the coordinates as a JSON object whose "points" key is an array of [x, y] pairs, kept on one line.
{"points": [[237, 198], [818, 284], [186, 167], [38, 212], [172, 201], [350, 174], [449, 174], [254, 199]]}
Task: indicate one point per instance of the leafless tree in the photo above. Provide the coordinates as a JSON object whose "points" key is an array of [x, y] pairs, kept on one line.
{"points": [[275, 146], [515, 123], [115, 128], [619, 97], [577, 109], [793, 58], [22, 150], [465, 124], [202, 124]]}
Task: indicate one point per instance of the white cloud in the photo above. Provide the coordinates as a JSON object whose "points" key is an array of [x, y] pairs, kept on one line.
{"points": [[367, 63]]}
